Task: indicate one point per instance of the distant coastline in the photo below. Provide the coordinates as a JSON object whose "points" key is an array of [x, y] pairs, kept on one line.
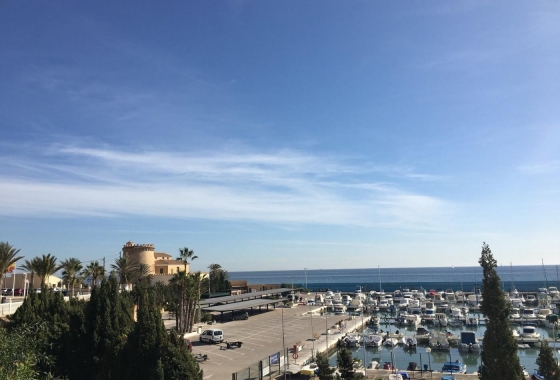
{"points": [[522, 277]]}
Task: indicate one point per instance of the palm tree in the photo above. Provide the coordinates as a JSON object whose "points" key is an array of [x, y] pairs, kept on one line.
{"points": [[46, 266], [95, 271], [185, 254], [31, 266], [125, 268], [71, 271], [142, 271], [212, 275], [186, 288], [7, 257]]}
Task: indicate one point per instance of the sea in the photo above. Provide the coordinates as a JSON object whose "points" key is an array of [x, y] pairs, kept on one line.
{"points": [[524, 278]]}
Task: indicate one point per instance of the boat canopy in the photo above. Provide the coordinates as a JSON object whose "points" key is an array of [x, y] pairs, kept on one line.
{"points": [[552, 318], [468, 337]]}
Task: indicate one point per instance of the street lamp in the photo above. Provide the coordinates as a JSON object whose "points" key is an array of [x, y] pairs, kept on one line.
{"points": [[24, 285], [428, 350], [305, 279]]}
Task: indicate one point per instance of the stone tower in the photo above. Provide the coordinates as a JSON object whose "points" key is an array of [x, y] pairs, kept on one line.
{"points": [[141, 254]]}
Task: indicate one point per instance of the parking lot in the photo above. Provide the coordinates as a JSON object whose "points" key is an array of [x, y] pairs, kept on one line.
{"points": [[261, 336]]}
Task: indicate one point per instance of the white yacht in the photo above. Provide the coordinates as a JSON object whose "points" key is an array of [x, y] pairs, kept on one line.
{"points": [[389, 299], [383, 305], [429, 311], [553, 291], [529, 330], [339, 309], [440, 320], [403, 303], [514, 314], [337, 298], [531, 299], [528, 315]]}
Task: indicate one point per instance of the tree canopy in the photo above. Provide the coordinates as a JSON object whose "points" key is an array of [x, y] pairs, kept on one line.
{"points": [[499, 358]]}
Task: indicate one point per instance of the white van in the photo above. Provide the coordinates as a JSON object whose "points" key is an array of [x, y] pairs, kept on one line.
{"points": [[212, 336]]}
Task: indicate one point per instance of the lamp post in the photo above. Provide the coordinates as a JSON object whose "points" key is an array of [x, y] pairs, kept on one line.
{"points": [[305, 279], [428, 351], [312, 336], [364, 342], [24, 285]]}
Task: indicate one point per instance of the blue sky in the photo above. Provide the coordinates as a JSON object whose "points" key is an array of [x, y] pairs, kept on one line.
{"points": [[282, 134]]}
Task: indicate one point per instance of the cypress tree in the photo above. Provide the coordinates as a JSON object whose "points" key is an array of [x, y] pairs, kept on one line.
{"points": [[548, 367], [345, 363], [146, 341], [107, 324], [152, 353], [324, 370], [499, 360]]}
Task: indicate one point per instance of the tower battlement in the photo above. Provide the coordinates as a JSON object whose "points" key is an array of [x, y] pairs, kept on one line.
{"points": [[130, 246]]}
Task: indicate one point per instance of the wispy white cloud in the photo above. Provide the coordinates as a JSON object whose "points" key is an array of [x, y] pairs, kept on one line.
{"points": [[547, 167], [281, 187]]}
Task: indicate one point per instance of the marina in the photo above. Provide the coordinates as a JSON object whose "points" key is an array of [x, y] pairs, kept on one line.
{"points": [[418, 333], [401, 320]]}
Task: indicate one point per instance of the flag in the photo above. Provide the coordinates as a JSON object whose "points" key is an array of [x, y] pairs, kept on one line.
{"points": [[11, 267]]}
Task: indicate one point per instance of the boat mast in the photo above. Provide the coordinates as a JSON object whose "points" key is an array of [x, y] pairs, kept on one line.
{"points": [[511, 276], [545, 285]]}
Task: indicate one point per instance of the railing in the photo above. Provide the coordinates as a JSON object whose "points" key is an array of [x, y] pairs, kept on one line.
{"points": [[9, 307]]}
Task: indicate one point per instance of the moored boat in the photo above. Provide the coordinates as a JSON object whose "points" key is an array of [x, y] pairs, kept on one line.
{"points": [[438, 341], [469, 342], [391, 342], [454, 367], [409, 342], [529, 330], [373, 340], [551, 321]]}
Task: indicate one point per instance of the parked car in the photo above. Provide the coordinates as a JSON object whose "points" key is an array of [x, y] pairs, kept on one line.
{"points": [[212, 336], [6, 292], [236, 315]]}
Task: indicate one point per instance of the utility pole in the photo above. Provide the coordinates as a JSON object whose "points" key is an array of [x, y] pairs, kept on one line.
{"points": [[103, 264]]}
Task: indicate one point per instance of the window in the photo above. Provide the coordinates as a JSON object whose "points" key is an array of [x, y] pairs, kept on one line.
{"points": [[177, 269], [160, 270]]}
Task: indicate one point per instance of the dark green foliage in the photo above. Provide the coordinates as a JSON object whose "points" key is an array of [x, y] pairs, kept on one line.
{"points": [[345, 363], [145, 343], [177, 361], [499, 354], [218, 280], [108, 321], [17, 355], [49, 315], [99, 339], [548, 367], [324, 370]]}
